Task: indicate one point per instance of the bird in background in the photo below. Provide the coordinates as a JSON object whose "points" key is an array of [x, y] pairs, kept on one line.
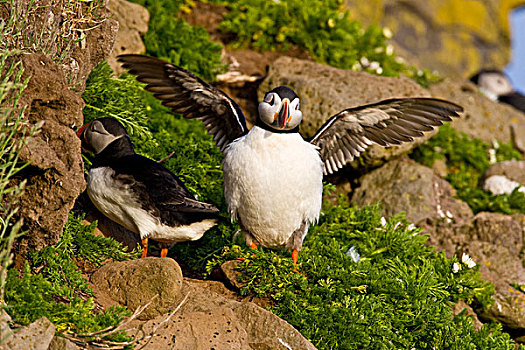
{"points": [[138, 193], [273, 177], [496, 86]]}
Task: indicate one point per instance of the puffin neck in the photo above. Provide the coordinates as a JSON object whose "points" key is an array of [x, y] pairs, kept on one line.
{"points": [[265, 126], [119, 148]]}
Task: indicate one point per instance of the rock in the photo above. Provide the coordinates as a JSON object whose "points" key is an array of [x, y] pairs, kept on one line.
{"points": [[404, 185], [325, 91], [36, 336], [95, 47], [499, 184], [209, 320], [55, 177], [59, 343], [228, 269], [460, 306], [494, 241], [5, 320], [133, 23], [512, 169], [483, 118], [453, 37], [134, 283]]}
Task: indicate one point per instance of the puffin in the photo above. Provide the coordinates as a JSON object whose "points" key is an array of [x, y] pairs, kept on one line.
{"points": [[273, 177], [139, 193], [496, 86]]}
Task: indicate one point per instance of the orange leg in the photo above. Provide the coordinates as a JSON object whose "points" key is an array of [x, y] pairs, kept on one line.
{"points": [[144, 248], [253, 246], [295, 256], [164, 252]]}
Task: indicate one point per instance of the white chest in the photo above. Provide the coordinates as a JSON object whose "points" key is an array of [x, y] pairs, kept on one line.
{"points": [[273, 183], [117, 200]]}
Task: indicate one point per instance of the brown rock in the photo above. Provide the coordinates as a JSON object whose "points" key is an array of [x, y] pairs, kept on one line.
{"points": [[55, 177], [228, 269], [134, 283], [498, 229], [59, 343], [512, 169], [404, 185], [209, 320], [133, 23], [36, 336]]}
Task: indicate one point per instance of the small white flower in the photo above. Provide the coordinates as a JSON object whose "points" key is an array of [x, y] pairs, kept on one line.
{"points": [[364, 61], [449, 214], [495, 144], [387, 32], [383, 221], [354, 254], [467, 260], [397, 224], [379, 70], [374, 65], [455, 267], [492, 156], [379, 49], [411, 227], [356, 67], [389, 49]]}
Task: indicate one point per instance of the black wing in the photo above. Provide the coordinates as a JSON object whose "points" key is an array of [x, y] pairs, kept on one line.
{"points": [[391, 122], [190, 96], [159, 190], [515, 99]]}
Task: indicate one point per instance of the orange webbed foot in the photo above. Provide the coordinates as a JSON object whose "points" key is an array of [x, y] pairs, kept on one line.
{"points": [[144, 248]]}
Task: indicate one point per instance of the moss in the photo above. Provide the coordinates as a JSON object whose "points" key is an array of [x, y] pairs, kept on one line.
{"points": [[52, 284], [467, 159]]}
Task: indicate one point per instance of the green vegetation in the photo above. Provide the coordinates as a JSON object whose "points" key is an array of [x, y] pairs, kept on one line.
{"points": [[323, 28], [467, 159], [363, 284], [171, 38], [52, 285]]}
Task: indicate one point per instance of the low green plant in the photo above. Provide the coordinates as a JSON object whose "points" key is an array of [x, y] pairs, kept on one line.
{"points": [[52, 284], [323, 28], [467, 159], [367, 284], [171, 38]]}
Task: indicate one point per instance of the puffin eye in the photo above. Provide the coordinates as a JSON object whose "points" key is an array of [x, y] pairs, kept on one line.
{"points": [[270, 99], [297, 107]]}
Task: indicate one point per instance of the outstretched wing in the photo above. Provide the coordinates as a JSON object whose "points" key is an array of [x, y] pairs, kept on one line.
{"points": [[190, 96], [391, 122]]}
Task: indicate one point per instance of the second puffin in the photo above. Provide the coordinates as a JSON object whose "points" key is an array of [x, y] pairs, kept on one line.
{"points": [[272, 176], [138, 193]]}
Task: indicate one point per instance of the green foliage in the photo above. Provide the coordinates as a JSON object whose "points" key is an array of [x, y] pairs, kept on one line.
{"points": [[171, 38], [467, 159], [398, 295], [52, 285], [324, 28], [119, 98]]}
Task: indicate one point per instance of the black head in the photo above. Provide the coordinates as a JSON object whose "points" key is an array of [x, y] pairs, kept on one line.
{"points": [[280, 111], [101, 133], [492, 82]]}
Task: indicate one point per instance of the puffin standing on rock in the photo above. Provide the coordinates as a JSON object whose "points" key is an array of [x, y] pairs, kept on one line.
{"points": [[272, 176], [138, 193]]}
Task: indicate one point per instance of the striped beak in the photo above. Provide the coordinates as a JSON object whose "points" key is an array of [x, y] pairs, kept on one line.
{"points": [[284, 113]]}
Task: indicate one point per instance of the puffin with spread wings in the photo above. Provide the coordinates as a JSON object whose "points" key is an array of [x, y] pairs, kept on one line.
{"points": [[272, 175]]}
